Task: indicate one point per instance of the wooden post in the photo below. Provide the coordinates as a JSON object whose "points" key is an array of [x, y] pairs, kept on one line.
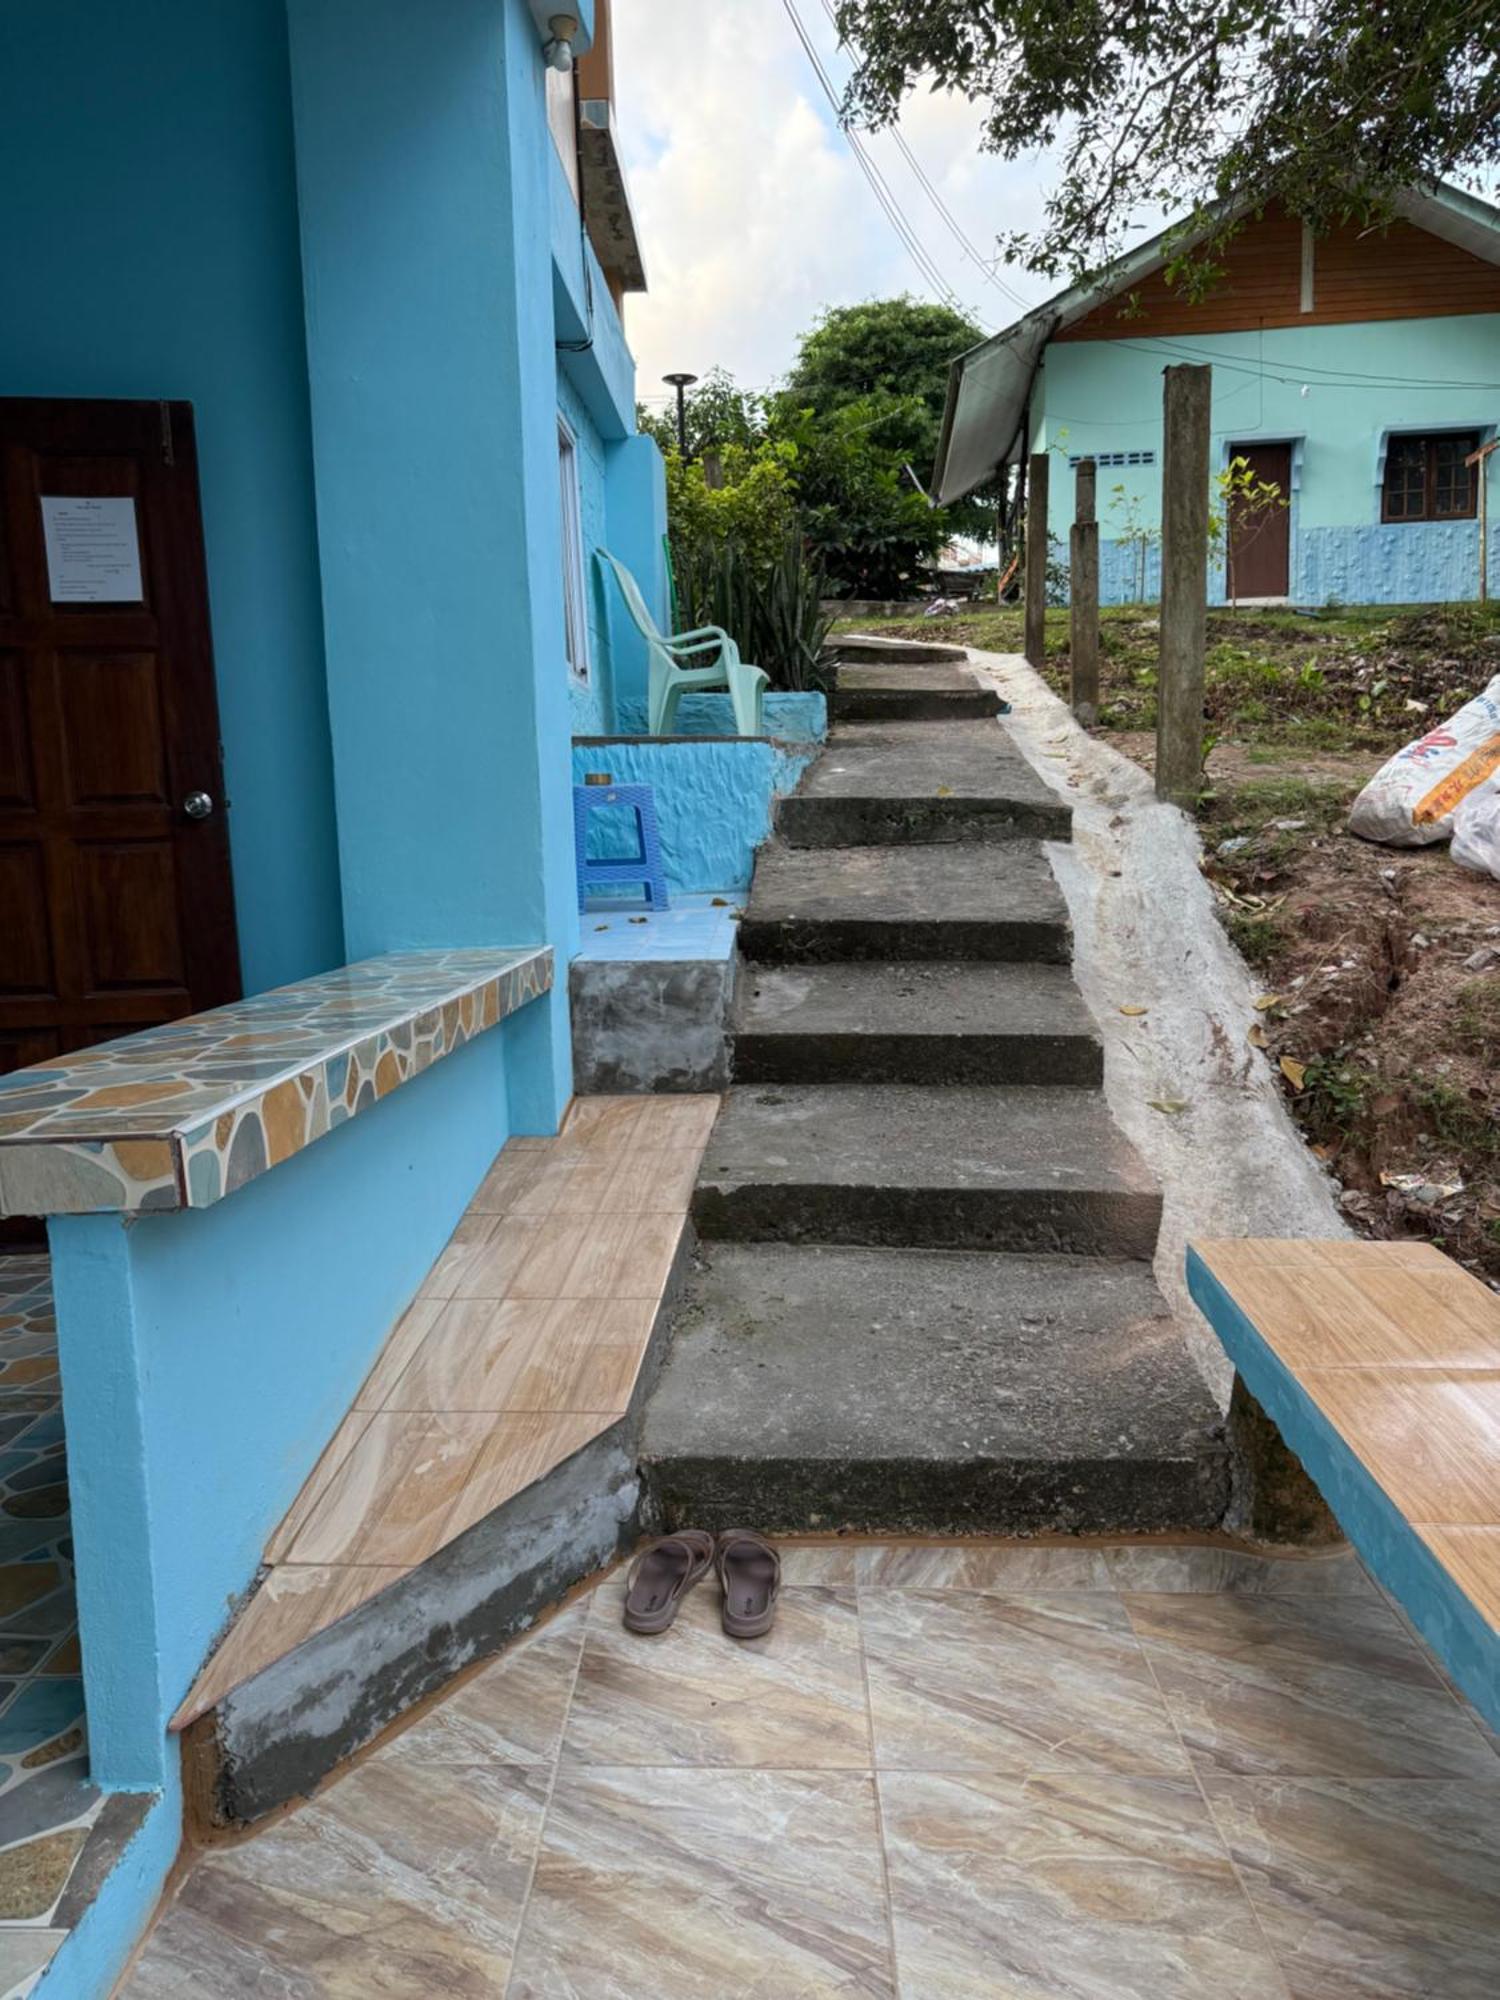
{"points": [[1036, 560], [1083, 598], [1184, 583]]}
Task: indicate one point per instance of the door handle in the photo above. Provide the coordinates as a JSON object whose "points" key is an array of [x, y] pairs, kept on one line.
{"points": [[197, 805]]}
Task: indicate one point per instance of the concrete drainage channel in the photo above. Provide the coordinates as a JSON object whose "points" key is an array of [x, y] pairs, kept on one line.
{"points": [[924, 1300]]}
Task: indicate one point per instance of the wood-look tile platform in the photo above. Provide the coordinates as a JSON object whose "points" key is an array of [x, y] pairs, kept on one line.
{"points": [[1381, 1364], [957, 1771], [522, 1345]]}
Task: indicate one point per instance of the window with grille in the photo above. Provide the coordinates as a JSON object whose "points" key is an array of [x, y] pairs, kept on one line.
{"points": [[1426, 478], [1114, 457], [575, 615]]}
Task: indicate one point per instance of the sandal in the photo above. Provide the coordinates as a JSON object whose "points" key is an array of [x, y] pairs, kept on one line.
{"points": [[661, 1576], [750, 1576]]}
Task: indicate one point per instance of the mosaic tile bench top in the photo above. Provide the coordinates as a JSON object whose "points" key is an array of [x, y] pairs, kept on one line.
{"points": [[58, 1833], [181, 1115]]}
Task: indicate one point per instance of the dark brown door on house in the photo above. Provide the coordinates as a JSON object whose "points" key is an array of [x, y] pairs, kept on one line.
{"points": [[1260, 537], [116, 910]]}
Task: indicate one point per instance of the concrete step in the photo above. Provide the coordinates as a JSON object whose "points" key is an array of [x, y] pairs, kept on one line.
{"points": [[995, 1167], [929, 1393], [889, 783], [937, 902], [939, 1023], [868, 648], [912, 694]]}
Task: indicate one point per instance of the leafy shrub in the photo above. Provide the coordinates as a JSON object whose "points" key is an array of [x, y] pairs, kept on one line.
{"points": [[770, 605]]}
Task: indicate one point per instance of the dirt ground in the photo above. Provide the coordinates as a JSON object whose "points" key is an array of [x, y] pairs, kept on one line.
{"points": [[1381, 966]]}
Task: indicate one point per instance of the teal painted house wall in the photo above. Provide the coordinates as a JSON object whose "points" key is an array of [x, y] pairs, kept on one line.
{"points": [[333, 226], [1298, 384], [150, 229]]}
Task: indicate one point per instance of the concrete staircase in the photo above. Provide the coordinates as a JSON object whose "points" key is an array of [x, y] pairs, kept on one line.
{"points": [[923, 1301]]}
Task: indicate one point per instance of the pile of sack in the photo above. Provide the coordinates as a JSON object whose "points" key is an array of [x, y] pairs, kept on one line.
{"points": [[1445, 786]]}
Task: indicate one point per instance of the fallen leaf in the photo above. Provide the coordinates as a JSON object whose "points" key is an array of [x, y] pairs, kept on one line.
{"points": [[719, 903], [1267, 1000], [1294, 1071], [1132, 1010], [640, 920], [1171, 1105], [945, 791], [1256, 1037]]}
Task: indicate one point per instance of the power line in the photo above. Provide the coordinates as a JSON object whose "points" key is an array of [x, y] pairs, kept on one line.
{"points": [[955, 229], [879, 186], [1315, 376]]}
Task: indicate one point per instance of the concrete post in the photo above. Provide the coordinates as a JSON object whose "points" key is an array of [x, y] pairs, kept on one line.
{"points": [[1184, 583], [1036, 559], [1083, 598]]}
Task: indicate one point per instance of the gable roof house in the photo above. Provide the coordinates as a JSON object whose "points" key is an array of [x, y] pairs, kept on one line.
{"points": [[1356, 371]]}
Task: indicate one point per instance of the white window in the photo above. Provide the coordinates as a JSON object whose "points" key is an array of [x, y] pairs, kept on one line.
{"points": [[575, 600]]}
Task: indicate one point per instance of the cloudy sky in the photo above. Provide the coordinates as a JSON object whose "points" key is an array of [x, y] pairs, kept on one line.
{"points": [[752, 209]]}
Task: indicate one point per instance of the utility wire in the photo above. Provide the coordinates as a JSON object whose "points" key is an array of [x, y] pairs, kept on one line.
{"points": [[879, 186], [955, 229]]}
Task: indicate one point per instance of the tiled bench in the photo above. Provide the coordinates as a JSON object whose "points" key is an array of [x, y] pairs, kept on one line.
{"points": [[1380, 1365]]}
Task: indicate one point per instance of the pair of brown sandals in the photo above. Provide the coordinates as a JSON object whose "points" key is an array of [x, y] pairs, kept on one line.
{"points": [[661, 1576]]}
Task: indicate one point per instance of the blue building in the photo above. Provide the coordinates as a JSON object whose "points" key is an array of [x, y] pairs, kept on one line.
{"points": [[1356, 373], [314, 404]]}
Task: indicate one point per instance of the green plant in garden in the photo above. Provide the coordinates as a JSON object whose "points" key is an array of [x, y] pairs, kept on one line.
{"points": [[770, 606], [1135, 534]]}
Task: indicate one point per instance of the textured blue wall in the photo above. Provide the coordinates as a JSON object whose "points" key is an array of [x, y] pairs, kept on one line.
{"points": [[423, 161], [713, 801], [792, 718], [1339, 390], [151, 240]]}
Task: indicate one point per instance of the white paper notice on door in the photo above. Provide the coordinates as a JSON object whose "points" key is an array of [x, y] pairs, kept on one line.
{"points": [[93, 550]]}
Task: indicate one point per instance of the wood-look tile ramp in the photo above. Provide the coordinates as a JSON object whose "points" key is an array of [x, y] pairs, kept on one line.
{"points": [[1381, 1363], [522, 1345]]}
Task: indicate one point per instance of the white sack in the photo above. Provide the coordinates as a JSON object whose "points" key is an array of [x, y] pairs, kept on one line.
{"points": [[1410, 802], [1476, 830]]}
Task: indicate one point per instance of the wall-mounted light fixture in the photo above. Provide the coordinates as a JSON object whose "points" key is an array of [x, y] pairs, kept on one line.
{"points": [[558, 53]]}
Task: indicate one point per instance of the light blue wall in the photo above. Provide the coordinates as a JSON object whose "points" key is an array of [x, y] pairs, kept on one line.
{"points": [[207, 1356], [591, 704], [424, 164], [1281, 384], [635, 490], [150, 236]]}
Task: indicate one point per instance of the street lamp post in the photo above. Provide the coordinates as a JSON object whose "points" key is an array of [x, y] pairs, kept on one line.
{"points": [[681, 383]]}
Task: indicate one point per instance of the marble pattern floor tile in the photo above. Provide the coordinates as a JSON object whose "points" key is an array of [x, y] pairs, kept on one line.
{"points": [[388, 1884], [707, 1885], [1375, 1890], [510, 1712], [1026, 1566], [1303, 1687], [1067, 1887], [794, 1699], [710, 1821], [972, 1681], [1205, 1570]]}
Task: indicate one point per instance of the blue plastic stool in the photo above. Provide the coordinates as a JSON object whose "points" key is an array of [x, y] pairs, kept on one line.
{"points": [[644, 867]]}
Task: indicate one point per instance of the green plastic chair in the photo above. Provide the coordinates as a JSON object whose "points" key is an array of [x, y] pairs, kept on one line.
{"points": [[746, 684]]}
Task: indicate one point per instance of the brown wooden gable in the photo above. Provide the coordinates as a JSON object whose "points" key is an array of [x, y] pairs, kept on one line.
{"points": [[1399, 273]]}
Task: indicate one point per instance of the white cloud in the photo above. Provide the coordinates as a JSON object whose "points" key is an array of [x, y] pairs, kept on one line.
{"points": [[752, 211]]}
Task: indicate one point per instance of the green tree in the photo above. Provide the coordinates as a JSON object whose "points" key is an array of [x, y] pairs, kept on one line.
{"points": [[1210, 109], [718, 413], [891, 358]]}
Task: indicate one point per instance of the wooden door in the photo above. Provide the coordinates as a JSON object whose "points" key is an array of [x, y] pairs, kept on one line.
{"points": [[116, 909], [1260, 538]]}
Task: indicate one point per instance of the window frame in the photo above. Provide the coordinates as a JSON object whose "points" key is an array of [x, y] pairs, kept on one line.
{"points": [[1464, 441], [574, 572]]}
